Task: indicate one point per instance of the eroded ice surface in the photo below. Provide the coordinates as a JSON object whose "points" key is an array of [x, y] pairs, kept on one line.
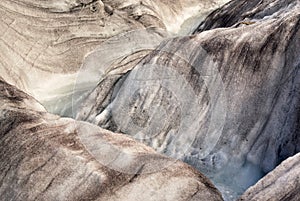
{"points": [[261, 92]]}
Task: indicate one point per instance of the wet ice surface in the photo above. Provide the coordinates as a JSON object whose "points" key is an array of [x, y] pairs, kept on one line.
{"points": [[191, 24], [231, 179], [65, 100], [234, 184]]}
